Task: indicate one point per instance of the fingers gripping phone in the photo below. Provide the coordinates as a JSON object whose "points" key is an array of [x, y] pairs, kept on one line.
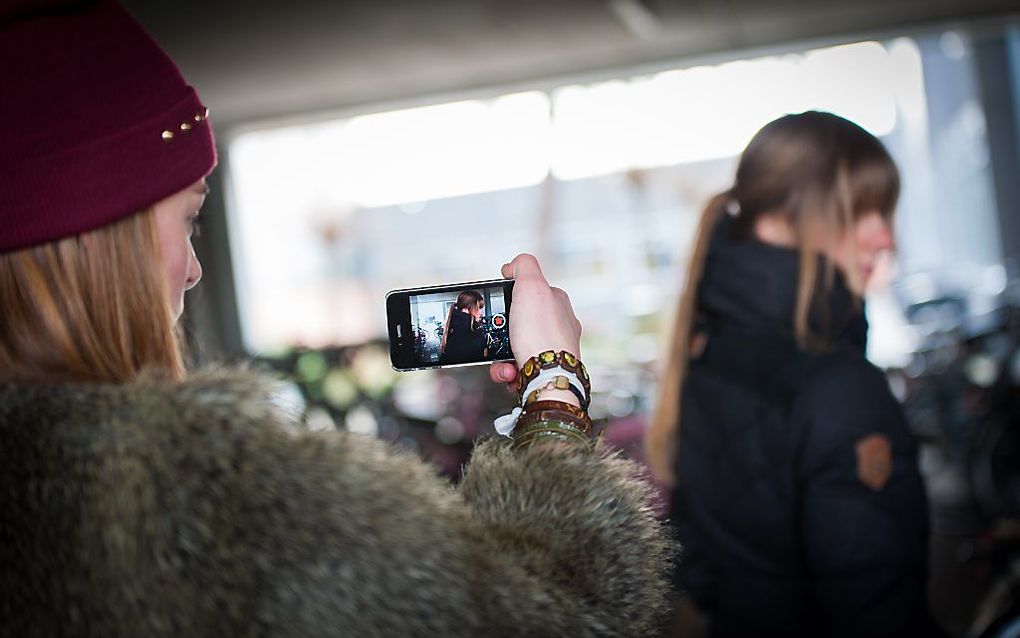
{"points": [[450, 325]]}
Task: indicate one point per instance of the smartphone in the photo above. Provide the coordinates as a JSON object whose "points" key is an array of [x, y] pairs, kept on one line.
{"points": [[450, 325]]}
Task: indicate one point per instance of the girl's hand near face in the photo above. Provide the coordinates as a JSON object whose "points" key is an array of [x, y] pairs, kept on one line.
{"points": [[541, 318]]}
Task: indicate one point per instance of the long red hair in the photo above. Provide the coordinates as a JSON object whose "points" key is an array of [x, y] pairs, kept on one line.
{"points": [[90, 308]]}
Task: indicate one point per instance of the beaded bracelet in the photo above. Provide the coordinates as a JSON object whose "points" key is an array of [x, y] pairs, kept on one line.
{"points": [[551, 359]]}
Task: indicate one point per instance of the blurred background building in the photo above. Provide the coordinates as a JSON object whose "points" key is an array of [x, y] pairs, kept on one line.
{"points": [[367, 146]]}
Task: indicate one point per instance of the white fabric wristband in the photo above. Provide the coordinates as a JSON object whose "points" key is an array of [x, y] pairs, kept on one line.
{"points": [[545, 376], [505, 424]]}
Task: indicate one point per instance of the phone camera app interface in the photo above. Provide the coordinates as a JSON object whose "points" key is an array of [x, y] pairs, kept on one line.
{"points": [[460, 326]]}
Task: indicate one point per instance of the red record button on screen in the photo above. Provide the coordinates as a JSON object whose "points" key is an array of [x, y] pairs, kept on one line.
{"points": [[498, 321]]}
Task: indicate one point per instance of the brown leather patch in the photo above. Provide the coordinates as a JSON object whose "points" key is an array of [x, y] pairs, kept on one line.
{"points": [[874, 460]]}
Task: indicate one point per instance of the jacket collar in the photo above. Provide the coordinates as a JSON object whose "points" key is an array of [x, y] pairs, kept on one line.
{"points": [[751, 286]]}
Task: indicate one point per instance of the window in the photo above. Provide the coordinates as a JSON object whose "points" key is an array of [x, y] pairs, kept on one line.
{"points": [[604, 181]]}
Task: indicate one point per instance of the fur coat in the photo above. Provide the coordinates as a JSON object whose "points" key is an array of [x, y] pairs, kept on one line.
{"points": [[191, 509]]}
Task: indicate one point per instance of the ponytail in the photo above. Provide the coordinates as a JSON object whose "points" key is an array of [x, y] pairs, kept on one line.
{"points": [[446, 329], [662, 436]]}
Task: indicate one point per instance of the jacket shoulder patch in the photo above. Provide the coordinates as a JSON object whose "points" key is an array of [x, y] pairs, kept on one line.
{"points": [[874, 461]]}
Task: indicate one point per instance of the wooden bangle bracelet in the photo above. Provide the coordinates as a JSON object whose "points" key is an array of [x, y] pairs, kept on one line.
{"points": [[554, 416], [547, 430]]}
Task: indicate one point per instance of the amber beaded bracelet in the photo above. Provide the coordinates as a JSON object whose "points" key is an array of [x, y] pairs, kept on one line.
{"points": [[551, 359]]}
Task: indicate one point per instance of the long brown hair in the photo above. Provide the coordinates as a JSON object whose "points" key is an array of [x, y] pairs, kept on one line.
{"points": [[88, 308], [820, 172], [466, 299]]}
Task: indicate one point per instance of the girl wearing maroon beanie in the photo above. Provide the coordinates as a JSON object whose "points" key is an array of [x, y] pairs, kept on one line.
{"points": [[139, 499]]}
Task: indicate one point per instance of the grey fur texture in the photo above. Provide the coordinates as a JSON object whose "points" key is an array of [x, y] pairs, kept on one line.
{"points": [[190, 509]]}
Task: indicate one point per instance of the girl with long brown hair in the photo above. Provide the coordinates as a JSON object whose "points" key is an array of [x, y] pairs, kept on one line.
{"points": [[462, 338], [796, 493], [138, 498]]}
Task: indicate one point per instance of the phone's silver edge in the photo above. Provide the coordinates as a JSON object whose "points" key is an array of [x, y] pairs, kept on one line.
{"points": [[451, 365], [470, 284]]}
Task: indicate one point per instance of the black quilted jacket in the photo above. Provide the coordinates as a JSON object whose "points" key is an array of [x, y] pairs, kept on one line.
{"points": [[799, 502]]}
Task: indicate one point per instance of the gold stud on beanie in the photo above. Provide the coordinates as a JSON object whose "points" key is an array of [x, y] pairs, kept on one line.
{"points": [[98, 121]]}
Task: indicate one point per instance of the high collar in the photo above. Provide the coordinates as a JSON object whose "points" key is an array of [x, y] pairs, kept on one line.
{"points": [[753, 286]]}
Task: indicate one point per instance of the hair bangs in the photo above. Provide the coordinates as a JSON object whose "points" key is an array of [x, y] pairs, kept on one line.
{"points": [[873, 180]]}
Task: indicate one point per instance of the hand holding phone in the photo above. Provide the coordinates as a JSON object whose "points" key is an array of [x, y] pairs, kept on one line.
{"points": [[463, 324], [450, 325], [542, 317]]}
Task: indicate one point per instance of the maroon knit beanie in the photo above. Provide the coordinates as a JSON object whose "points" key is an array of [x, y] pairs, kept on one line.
{"points": [[98, 122]]}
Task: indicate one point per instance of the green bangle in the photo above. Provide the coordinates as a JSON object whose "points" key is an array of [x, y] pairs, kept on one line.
{"points": [[549, 435], [549, 424], [550, 430]]}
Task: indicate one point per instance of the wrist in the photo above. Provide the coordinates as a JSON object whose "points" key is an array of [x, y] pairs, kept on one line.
{"points": [[549, 420], [537, 355], [552, 387]]}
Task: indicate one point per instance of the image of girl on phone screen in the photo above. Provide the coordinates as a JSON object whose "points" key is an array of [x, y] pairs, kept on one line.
{"points": [[464, 339]]}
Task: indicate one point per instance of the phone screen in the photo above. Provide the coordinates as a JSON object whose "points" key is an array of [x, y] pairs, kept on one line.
{"points": [[450, 325]]}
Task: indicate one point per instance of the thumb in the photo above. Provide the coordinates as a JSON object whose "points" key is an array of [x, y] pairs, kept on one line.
{"points": [[523, 265], [503, 372]]}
